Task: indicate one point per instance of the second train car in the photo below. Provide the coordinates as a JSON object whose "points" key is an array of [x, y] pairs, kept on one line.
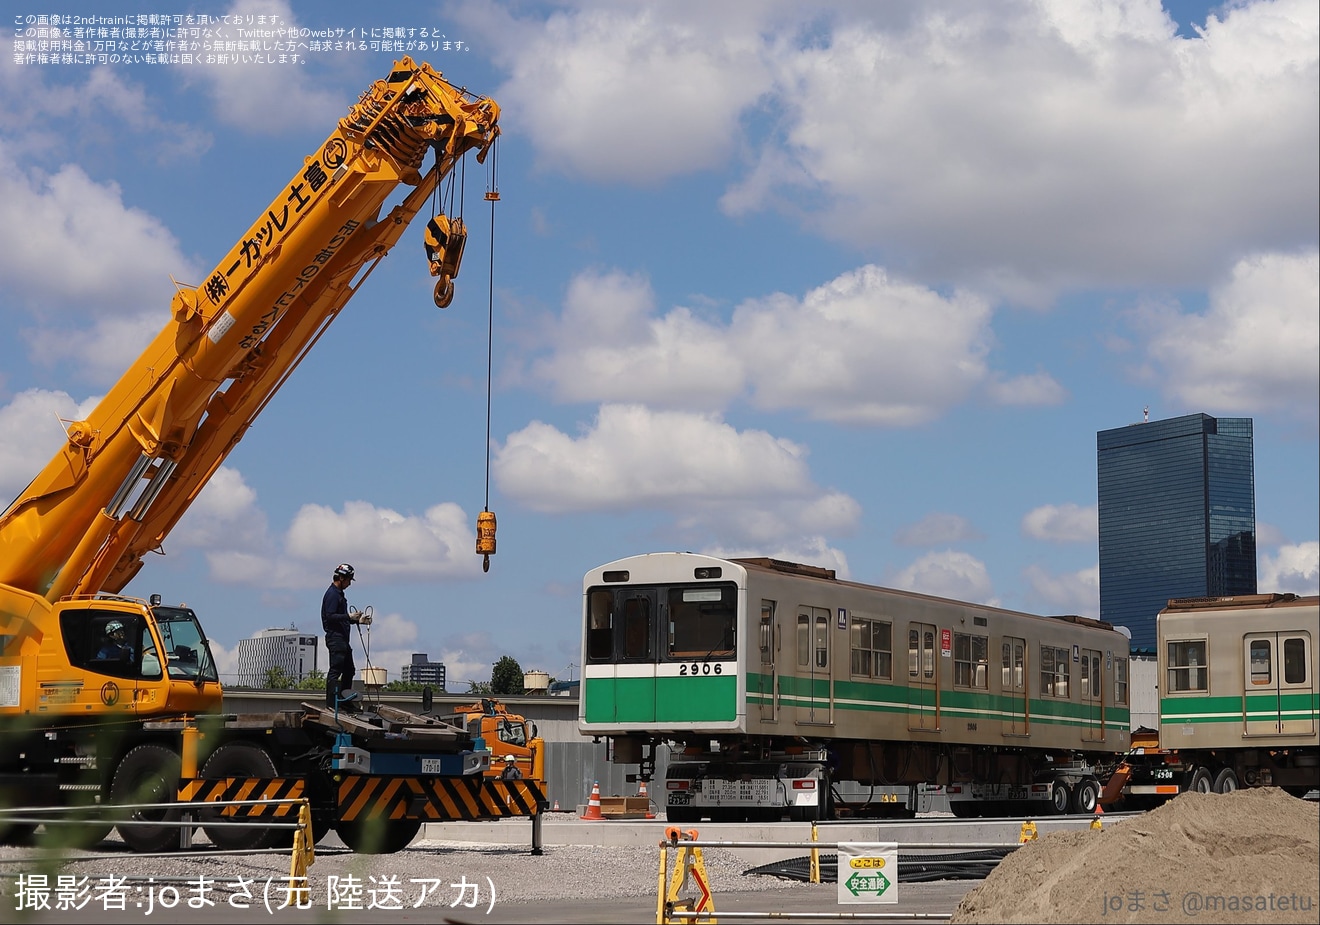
{"points": [[773, 683]]}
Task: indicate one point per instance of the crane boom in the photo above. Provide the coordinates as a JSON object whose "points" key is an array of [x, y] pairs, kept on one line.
{"points": [[127, 473]]}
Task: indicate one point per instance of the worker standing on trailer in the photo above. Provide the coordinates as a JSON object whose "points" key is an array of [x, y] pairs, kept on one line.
{"points": [[335, 620]]}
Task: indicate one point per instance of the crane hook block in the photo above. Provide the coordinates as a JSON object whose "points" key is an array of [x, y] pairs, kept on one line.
{"points": [[486, 538]]}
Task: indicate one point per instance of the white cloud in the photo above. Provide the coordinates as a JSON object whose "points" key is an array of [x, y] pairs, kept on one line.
{"points": [[241, 95], [609, 345], [1072, 593], [70, 245], [225, 515], [1255, 349], [1293, 568], [937, 529], [638, 93], [31, 433], [102, 352], [737, 486], [383, 544], [1022, 147], [864, 348], [1062, 523], [950, 574]]}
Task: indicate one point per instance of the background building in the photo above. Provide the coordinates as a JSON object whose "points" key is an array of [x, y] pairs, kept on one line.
{"points": [[1177, 506], [422, 671], [290, 649]]}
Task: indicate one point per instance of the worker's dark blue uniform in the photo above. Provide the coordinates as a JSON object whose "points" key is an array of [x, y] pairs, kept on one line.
{"points": [[335, 622]]}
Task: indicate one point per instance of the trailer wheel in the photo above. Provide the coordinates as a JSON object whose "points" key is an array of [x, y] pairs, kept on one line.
{"points": [[1060, 797], [239, 759], [378, 836], [1226, 781], [148, 774], [1086, 796], [1199, 781]]}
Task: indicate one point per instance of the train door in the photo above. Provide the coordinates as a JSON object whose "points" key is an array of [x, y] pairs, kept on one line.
{"points": [[766, 687], [1092, 689], [1279, 686], [1013, 679], [814, 671], [923, 678]]}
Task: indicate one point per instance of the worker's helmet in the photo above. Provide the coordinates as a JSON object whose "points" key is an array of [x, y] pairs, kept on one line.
{"points": [[344, 570], [114, 626]]}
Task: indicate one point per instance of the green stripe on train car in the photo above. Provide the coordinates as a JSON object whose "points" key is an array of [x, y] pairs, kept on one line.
{"points": [[661, 700], [881, 697], [1207, 709]]}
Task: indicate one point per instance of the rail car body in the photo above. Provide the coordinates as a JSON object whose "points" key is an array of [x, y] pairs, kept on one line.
{"points": [[1239, 704], [772, 683]]}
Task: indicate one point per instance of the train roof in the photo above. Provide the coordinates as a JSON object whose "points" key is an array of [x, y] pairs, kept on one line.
{"points": [[828, 574], [1238, 602]]}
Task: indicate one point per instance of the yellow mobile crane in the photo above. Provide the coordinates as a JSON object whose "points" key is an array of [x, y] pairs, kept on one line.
{"points": [[138, 721]]}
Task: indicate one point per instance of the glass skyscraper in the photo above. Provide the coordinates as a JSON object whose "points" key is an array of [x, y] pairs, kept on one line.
{"points": [[1177, 504]]}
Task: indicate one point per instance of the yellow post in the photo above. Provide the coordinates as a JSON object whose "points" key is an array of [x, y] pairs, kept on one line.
{"points": [[660, 917], [815, 857], [304, 855], [1028, 832], [188, 751], [1096, 824]]}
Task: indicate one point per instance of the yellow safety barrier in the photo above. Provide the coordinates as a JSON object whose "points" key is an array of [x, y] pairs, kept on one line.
{"points": [[689, 868], [304, 855], [1028, 832]]}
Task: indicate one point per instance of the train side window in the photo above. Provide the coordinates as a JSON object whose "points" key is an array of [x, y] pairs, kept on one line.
{"points": [[872, 648], [914, 650], [1294, 660], [928, 655], [600, 624], [767, 632], [1120, 680], [804, 639], [1187, 669], [970, 654], [1055, 671]]}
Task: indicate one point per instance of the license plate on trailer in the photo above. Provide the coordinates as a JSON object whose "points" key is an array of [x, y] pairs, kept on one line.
{"points": [[430, 765]]}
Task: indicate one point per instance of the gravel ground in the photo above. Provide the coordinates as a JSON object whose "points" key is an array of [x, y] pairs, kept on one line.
{"points": [[428, 873]]}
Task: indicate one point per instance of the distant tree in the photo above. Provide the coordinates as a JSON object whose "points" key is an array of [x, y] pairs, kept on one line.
{"points": [[506, 677], [315, 681], [405, 686], [480, 688], [277, 679]]}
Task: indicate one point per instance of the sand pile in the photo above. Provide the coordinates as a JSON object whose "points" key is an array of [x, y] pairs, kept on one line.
{"points": [[1246, 856]]}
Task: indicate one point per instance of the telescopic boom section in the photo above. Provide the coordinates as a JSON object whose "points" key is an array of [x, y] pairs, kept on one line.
{"points": [[128, 472]]}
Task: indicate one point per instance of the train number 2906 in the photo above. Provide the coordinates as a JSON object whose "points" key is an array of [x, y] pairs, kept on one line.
{"points": [[699, 668]]}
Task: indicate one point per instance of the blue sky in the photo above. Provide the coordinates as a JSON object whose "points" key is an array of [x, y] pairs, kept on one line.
{"points": [[855, 286]]}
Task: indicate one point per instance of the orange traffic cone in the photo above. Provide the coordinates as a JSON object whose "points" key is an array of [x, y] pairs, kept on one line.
{"points": [[593, 813], [641, 789], [556, 807]]}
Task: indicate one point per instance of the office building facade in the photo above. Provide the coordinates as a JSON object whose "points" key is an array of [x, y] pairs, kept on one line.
{"points": [[290, 649], [1177, 506], [423, 671]]}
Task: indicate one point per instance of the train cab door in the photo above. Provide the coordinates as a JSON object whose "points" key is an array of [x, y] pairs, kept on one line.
{"points": [[767, 684], [1092, 690], [1013, 681], [1279, 685], [923, 678], [814, 665]]}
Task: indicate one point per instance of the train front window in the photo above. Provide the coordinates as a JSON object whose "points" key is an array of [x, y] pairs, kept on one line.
{"points": [[702, 621], [600, 624]]}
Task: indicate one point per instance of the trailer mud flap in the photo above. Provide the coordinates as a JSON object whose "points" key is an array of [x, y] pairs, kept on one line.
{"points": [[438, 799]]}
